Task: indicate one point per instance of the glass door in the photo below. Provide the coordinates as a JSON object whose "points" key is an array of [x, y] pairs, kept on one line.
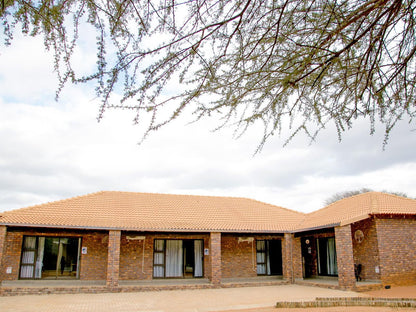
{"points": [[50, 257], [327, 257]]}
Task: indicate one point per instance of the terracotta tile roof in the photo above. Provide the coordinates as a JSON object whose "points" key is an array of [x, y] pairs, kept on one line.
{"points": [[163, 212], [359, 207], [157, 212]]}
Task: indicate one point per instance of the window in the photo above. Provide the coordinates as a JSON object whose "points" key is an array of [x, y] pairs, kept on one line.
{"points": [[173, 258], [269, 257], [49, 257]]}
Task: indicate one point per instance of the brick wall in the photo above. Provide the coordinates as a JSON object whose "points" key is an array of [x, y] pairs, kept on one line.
{"points": [[292, 257], [11, 254], [238, 258], [3, 233], [345, 260], [113, 258], [215, 252], [397, 250], [297, 258], [94, 263], [136, 257], [366, 252]]}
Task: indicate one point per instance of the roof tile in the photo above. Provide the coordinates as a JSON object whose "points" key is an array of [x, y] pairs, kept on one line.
{"points": [[164, 212], [157, 212]]}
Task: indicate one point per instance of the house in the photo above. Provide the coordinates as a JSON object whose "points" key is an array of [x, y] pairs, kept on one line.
{"points": [[126, 236]]}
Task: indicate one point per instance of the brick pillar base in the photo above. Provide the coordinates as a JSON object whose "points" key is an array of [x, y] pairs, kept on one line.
{"points": [[3, 232], [113, 258], [215, 246], [345, 256]]}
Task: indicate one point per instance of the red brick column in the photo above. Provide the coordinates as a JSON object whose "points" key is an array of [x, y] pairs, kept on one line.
{"points": [[215, 250], [292, 258], [113, 258], [3, 232], [345, 256]]}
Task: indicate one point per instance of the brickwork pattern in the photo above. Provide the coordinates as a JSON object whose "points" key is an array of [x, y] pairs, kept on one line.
{"points": [[297, 258], [136, 257], [397, 248], [238, 259], [11, 255], [345, 260], [292, 257], [349, 302], [94, 263], [366, 251], [215, 250], [3, 233], [113, 258]]}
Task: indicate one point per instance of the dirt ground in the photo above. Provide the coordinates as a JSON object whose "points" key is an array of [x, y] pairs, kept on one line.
{"points": [[394, 292]]}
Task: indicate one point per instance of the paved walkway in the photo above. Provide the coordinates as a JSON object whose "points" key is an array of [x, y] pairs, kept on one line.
{"points": [[170, 301]]}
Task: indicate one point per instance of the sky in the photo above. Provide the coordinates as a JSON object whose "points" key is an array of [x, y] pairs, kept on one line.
{"points": [[52, 150]]}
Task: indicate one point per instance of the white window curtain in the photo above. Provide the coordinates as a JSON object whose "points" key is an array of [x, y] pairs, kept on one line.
{"points": [[39, 260], [199, 254], [261, 257], [159, 259], [174, 258], [332, 267], [28, 257]]}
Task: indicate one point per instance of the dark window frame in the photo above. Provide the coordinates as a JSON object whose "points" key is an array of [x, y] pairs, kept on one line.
{"points": [[183, 250], [266, 253], [22, 250]]}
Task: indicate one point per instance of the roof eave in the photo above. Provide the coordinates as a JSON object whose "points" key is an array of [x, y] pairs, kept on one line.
{"points": [[355, 219], [318, 227], [176, 230]]}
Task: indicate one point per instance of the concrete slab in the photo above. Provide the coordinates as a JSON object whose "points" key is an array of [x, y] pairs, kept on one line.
{"points": [[201, 300]]}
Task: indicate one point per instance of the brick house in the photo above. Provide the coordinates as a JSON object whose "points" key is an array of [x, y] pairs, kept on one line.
{"points": [[123, 236]]}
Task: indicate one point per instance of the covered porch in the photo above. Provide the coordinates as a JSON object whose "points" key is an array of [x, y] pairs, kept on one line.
{"points": [[333, 258]]}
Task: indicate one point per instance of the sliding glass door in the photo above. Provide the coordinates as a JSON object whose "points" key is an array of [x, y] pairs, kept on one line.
{"points": [[176, 258], [50, 257], [327, 256]]}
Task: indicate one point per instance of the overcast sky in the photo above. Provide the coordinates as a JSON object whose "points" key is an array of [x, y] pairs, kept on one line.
{"points": [[54, 150]]}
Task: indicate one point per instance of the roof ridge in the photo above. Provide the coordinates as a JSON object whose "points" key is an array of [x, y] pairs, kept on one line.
{"points": [[205, 196], [262, 202], [374, 203], [345, 199], [395, 195]]}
